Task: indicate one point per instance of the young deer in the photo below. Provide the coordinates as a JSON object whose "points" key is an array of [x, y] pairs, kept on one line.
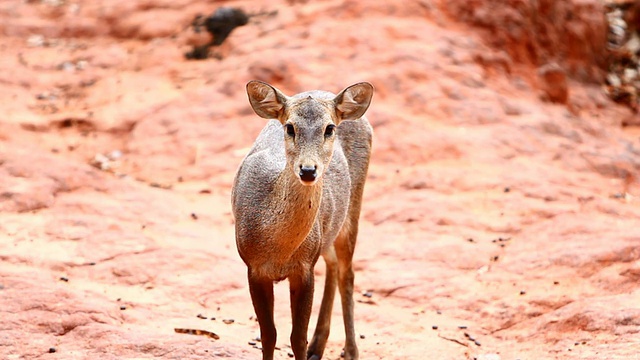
{"points": [[296, 196]]}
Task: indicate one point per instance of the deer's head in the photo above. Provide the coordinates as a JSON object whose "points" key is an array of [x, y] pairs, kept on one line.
{"points": [[309, 123]]}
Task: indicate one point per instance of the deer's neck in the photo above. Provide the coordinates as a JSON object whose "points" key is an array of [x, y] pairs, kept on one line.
{"points": [[295, 208]]}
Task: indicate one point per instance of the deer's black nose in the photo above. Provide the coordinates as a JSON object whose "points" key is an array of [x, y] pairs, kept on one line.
{"points": [[307, 173]]}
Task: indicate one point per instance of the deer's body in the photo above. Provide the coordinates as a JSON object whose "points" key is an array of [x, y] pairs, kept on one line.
{"points": [[297, 195]]}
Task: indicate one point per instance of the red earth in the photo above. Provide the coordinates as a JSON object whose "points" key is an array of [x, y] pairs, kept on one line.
{"points": [[499, 222]]}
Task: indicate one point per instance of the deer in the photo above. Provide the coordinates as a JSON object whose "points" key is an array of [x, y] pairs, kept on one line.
{"points": [[296, 196]]}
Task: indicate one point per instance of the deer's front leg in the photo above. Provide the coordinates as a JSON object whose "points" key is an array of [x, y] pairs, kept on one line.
{"points": [[301, 291], [262, 298]]}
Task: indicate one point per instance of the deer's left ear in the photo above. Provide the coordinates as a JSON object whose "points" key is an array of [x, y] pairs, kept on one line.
{"points": [[352, 102]]}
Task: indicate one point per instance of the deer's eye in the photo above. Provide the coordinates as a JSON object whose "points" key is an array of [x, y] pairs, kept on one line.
{"points": [[290, 130], [329, 130]]}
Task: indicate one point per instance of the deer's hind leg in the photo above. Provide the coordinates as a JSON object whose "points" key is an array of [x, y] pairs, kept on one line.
{"points": [[344, 246], [321, 334]]}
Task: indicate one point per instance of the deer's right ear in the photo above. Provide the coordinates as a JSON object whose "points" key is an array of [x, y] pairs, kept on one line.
{"points": [[267, 101]]}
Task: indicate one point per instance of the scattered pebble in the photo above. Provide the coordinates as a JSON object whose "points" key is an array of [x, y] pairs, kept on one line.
{"points": [[507, 189], [253, 343], [115, 155], [36, 41], [361, 336], [552, 80], [462, 327], [556, 282], [122, 307], [194, 216], [367, 293], [290, 354], [64, 278], [522, 292], [81, 64], [101, 162], [434, 327], [228, 321], [67, 66], [52, 350], [200, 316]]}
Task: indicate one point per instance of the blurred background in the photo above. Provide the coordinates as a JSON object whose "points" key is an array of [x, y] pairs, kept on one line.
{"points": [[500, 218]]}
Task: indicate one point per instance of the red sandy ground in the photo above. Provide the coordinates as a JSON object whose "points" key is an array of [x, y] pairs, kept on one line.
{"points": [[485, 207]]}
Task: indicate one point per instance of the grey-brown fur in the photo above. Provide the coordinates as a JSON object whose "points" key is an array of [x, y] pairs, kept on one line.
{"points": [[297, 195]]}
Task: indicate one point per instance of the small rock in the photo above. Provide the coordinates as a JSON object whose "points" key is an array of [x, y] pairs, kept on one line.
{"points": [[200, 316], [35, 41], [81, 65], [52, 350], [67, 66], [552, 80], [228, 321], [64, 278], [115, 155], [122, 307], [511, 108], [434, 327]]}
